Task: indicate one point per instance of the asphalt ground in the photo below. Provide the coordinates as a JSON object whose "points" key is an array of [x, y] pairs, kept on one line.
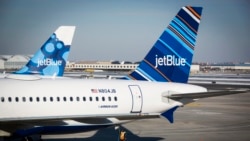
{"points": [[209, 119]]}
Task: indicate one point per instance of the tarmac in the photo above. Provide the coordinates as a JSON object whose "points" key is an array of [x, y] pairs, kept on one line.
{"points": [[209, 119]]}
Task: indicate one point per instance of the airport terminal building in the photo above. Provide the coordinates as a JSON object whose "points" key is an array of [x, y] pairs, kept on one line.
{"points": [[14, 62]]}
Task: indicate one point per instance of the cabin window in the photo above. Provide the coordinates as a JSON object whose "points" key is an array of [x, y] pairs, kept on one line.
{"points": [[9, 99], [24, 99], [44, 99], [2, 99], [77, 99], [31, 99]]}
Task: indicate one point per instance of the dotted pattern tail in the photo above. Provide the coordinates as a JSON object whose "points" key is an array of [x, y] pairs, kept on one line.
{"points": [[51, 58]]}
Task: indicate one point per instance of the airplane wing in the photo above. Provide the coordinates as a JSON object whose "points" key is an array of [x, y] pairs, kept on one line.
{"points": [[186, 98], [84, 123], [81, 118]]}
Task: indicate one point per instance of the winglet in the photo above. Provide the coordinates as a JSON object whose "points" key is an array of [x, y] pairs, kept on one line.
{"points": [[170, 59], [51, 58]]}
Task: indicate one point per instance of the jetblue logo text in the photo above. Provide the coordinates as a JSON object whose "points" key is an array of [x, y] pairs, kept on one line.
{"points": [[169, 60], [48, 62]]}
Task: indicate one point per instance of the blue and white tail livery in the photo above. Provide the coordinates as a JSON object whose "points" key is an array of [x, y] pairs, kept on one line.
{"points": [[50, 59], [170, 58]]}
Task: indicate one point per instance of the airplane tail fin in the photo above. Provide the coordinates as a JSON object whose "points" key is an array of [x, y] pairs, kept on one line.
{"points": [[51, 58], [170, 59]]}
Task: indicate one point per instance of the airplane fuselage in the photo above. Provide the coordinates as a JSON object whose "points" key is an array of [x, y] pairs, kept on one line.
{"points": [[50, 99]]}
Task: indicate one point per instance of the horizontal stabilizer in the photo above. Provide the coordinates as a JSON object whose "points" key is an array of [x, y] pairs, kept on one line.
{"points": [[206, 94]]}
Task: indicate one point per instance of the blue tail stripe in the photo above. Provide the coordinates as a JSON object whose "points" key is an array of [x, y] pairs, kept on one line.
{"points": [[127, 77], [144, 76], [191, 22], [175, 41], [137, 76], [178, 42], [180, 38], [154, 75], [165, 48], [183, 33], [173, 72], [186, 28], [140, 71], [180, 78], [198, 10], [182, 51]]}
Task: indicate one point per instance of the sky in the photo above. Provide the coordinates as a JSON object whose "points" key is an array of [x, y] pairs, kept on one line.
{"points": [[124, 29]]}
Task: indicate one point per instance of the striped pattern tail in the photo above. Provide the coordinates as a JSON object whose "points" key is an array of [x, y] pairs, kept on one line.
{"points": [[50, 59], [170, 58]]}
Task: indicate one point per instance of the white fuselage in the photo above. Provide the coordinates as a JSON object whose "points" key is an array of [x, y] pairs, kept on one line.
{"points": [[76, 98], [72, 97]]}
